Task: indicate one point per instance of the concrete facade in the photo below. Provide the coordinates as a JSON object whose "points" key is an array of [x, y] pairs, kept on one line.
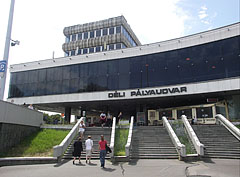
{"points": [[101, 40], [17, 122]]}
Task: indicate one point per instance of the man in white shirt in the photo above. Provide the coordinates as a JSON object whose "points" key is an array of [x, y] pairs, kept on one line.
{"points": [[89, 148]]}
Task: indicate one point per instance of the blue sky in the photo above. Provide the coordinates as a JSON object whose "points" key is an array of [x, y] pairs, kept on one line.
{"points": [[209, 14], [38, 24]]}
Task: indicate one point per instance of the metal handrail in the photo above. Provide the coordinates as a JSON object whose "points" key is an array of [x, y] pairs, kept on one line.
{"points": [[128, 145]]}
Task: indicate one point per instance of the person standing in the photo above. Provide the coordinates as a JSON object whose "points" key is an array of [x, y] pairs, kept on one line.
{"points": [[77, 150], [81, 129], [30, 107], [109, 120], [102, 119], [89, 148], [119, 117], [102, 147]]}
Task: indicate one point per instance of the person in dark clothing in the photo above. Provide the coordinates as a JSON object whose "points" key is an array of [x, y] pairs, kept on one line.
{"points": [[77, 150]]}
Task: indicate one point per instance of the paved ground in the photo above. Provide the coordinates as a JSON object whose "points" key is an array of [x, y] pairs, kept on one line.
{"points": [[140, 168]]}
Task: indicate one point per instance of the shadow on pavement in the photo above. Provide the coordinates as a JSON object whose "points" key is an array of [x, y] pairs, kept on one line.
{"points": [[207, 160], [92, 164], [108, 169], [133, 162], [80, 164], [61, 163]]}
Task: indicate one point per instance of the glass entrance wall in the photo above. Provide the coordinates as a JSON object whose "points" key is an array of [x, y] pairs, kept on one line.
{"points": [[215, 60]]}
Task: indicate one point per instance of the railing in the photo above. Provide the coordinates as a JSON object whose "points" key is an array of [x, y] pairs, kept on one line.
{"points": [[128, 145], [228, 125], [61, 148], [179, 146], [113, 136], [198, 146]]}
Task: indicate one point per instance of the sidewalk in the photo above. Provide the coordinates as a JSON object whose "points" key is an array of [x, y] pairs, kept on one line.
{"points": [[138, 168]]}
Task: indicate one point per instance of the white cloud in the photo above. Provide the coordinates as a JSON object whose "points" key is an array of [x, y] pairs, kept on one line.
{"points": [[202, 13]]}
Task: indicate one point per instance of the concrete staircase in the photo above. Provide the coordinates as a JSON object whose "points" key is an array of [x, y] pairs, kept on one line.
{"points": [[152, 143], [218, 141], [95, 132]]}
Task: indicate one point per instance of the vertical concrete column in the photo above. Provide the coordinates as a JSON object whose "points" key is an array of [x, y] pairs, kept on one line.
{"points": [[67, 114]]}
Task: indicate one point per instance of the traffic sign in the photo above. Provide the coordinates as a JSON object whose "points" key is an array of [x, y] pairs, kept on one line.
{"points": [[3, 64]]}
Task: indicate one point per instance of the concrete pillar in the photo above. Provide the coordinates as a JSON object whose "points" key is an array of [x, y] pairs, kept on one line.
{"points": [[67, 114]]}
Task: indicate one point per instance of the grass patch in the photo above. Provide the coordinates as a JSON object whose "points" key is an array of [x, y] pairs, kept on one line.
{"points": [[238, 126], [178, 128], [38, 144], [121, 136]]}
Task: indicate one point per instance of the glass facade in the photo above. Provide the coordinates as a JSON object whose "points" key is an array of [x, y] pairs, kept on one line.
{"points": [[216, 60]]}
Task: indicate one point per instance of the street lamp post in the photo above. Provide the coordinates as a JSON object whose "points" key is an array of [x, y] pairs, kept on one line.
{"points": [[4, 62]]}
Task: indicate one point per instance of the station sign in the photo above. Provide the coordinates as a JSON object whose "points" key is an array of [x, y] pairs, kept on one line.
{"points": [[147, 92], [3, 66]]}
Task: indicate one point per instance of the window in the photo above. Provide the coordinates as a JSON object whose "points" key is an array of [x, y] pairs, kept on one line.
{"points": [[79, 36], [74, 37], [72, 52], [85, 50], [79, 51], [67, 53], [85, 35], [118, 46], [111, 47], [105, 31], [91, 50], [118, 29], [67, 39], [111, 30], [98, 33], [98, 49], [123, 46], [92, 34]]}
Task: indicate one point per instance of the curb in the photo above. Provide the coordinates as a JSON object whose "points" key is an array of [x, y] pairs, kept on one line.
{"points": [[27, 161]]}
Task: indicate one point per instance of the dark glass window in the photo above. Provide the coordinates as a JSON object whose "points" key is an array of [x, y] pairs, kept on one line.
{"points": [[111, 30], [186, 112], [74, 37], [66, 72], [33, 76], [73, 52], [204, 112], [91, 50], [85, 36], [105, 31], [188, 65], [42, 75], [98, 33], [74, 71], [79, 36], [92, 34], [79, 51], [118, 29], [98, 49], [85, 50], [118, 46], [111, 47], [166, 113]]}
